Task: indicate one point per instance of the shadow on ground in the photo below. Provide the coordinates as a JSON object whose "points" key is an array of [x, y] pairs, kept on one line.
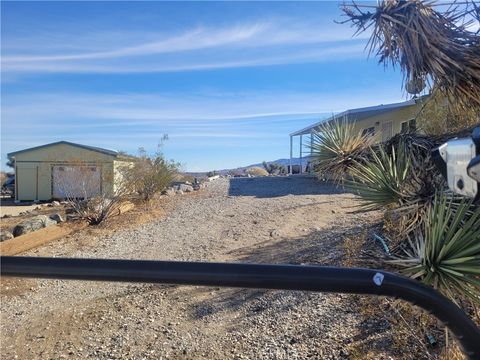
{"points": [[275, 186], [322, 247], [317, 248]]}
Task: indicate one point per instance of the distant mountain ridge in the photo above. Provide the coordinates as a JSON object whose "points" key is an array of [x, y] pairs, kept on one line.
{"points": [[284, 162]]}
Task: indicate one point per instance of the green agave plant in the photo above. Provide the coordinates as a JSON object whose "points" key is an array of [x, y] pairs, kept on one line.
{"points": [[336, 145], [446, 254], [383, 179]]}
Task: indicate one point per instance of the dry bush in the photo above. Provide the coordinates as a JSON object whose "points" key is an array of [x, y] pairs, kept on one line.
{"points": [[437, 115], [256, 171], [149, 175]]}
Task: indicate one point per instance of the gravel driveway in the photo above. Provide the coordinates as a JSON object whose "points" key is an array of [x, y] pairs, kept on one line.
{"points": [[266, 220]]}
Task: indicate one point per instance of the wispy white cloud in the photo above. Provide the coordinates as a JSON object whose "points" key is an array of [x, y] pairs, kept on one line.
{"points": [[195, 39], [201, 48], [171, 108], [302, 56]]}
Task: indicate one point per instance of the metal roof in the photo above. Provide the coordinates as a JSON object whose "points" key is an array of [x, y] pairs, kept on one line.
{"points": [[356, 115], [92, 148]]}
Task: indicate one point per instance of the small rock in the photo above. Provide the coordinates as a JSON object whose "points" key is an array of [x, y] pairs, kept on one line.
{"points": [[169, 192], [57, 217], [179, 192], [274, 233], [55, 203], [185, 188], [5, 235]]}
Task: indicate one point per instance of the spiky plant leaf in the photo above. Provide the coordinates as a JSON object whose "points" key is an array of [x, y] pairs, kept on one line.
{"points": [[446, 254], [383, 180], [336, 145]]}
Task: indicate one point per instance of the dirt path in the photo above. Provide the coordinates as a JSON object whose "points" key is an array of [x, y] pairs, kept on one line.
{"points": [[267, 220]]}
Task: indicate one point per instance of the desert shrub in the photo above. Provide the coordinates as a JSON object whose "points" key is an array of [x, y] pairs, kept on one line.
{"points": [[336, 146], [437, 115], [256, 171], [98, 209], [274, 168], [149, 175], [445, 253]]}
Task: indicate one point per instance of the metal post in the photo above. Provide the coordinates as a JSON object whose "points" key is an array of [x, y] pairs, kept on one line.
{"points": [[291, 154], [301, 162], [311, 149], [16, 184]]}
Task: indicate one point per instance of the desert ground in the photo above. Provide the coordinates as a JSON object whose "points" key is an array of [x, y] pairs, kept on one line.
{"points": [[10, 208], [292, 220]]}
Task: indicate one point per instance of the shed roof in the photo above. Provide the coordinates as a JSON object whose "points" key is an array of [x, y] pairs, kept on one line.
{"points": [[87, 147], [357, 115]]}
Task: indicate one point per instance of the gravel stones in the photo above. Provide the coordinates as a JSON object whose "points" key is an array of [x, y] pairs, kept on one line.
{"points": [[230, 221]]}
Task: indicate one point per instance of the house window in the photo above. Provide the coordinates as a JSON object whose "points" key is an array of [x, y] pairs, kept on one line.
{"points": [[369, 131], [410, 125]]}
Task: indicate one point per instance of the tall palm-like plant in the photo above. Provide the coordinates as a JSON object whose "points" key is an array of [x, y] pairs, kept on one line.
{"points": [[336, 145], [446, 252], [426, 41]]}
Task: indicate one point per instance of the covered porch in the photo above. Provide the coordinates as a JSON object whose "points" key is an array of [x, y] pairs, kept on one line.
{"points": [[301, 142]]}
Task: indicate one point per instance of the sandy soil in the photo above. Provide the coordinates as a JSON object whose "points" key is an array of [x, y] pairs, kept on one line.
{"points": [[265, 220], [8, 207]]}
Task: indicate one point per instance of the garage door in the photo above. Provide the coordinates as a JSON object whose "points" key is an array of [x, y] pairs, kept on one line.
{"points": [[77, 182]]}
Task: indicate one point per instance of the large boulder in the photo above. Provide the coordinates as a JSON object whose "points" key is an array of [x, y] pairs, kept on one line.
{"points": [[5, 235], [36, 223]]}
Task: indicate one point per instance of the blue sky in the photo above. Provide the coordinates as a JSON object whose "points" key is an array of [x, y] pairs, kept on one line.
{"points": [[227, 81]]}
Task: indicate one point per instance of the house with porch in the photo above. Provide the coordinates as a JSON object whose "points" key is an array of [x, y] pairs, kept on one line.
{"points": [[382, 120]]}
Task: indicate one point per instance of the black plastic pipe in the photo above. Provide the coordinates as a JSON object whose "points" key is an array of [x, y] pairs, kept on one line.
{"points": [[282, 277]]}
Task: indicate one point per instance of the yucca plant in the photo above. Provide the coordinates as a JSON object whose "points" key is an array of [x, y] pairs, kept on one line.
{"points": [[426, 42], [336, 145], [383, 179], [445, 253]]}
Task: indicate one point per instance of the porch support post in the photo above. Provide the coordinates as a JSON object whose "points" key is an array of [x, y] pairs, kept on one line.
{"points": [[301, 162], [311, 150], [291, 154]]}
